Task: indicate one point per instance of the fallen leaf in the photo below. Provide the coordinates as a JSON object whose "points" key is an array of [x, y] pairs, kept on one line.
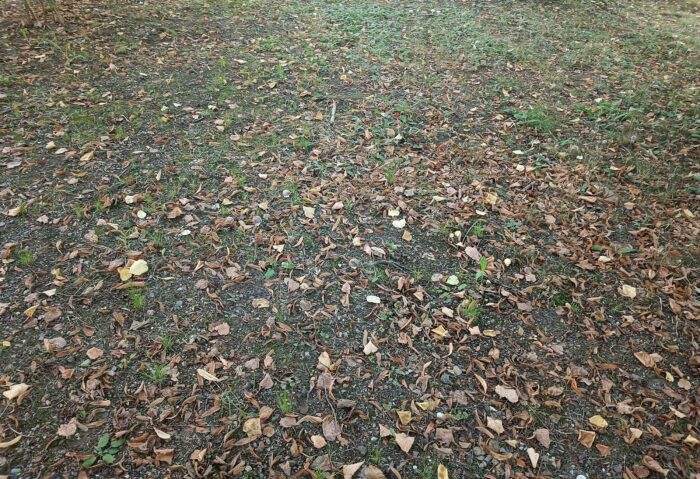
{"points": [[138, 267], [162, 434], [331, 429], [542, 436], [164, 455], [598, 421], [67, 430], [373, 472], [404, 417], [652, 464], [404, 441], [349, 470], [370, 348], [534, 456], [648, 360], [318, 441], [496, 425], [586, 438], [442, 472], [5, 445], [628, 291], [373, 299], [17, 392], [309, 211], [94, 353], [252, 427], [508, 393], [207, 375]]}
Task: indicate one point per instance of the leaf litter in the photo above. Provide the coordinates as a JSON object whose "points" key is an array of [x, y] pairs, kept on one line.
{"points": [[358, 239]]}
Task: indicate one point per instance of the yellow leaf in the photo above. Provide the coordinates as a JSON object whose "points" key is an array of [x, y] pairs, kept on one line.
{"points": [[440, 331], [442, 472], [29, 312], [139, 267], [598, 421], [404, 417], [124, 274], [5, 445]]}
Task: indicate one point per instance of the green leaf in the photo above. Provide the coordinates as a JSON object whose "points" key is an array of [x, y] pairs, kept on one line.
{"points": [[596, 248], [109, 459], [117, 442], [113, 450], [288, 265], [89, 461], [104, 440], [628, 250], [270, 273]]}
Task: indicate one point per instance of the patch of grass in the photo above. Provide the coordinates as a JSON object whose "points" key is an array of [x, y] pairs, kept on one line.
{"points": [[157, 373], [538, 119], [137, 298], [24, 257], [284, 402]]}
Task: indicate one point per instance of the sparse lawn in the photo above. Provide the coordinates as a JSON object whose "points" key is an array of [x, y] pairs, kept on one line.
{"points": [[273, 238]]}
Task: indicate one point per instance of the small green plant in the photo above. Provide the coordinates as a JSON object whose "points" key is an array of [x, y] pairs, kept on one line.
{"points": [[24, 257], [137, 298], [157, 373], [481, 274], [106, 451], [537, 118], [168, 342], [477, 229], [469, 309], [284, 402]]}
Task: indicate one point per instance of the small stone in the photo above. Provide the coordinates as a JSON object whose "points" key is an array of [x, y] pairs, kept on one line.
{"points": [[178, 304], [581, 476], [362, 450]]}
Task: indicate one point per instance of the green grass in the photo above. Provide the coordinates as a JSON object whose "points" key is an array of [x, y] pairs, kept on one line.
{"points": [[537, 118], [24, 257], [137, 298], [157, 373]]}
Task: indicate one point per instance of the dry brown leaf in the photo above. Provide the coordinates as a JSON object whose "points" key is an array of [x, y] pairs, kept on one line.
{"points": [[162, 434], [94, 353], [318, 441], [373, 472], [370, 348], [508, 393], [404, 441], [10, 443], [331, 429], [586, 438], [203, 373], [252, 427], [542, 436], [17, 392], [349, 470], [164, 455], [496, 425], [534, 456], [652, 464], [68, 430], [628, 291]]}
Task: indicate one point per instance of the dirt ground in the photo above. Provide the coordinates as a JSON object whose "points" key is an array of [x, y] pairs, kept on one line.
{"points": [[334, 239]]}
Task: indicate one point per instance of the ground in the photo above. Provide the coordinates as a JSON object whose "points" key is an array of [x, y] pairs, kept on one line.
{"points": [[368, 238]]}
